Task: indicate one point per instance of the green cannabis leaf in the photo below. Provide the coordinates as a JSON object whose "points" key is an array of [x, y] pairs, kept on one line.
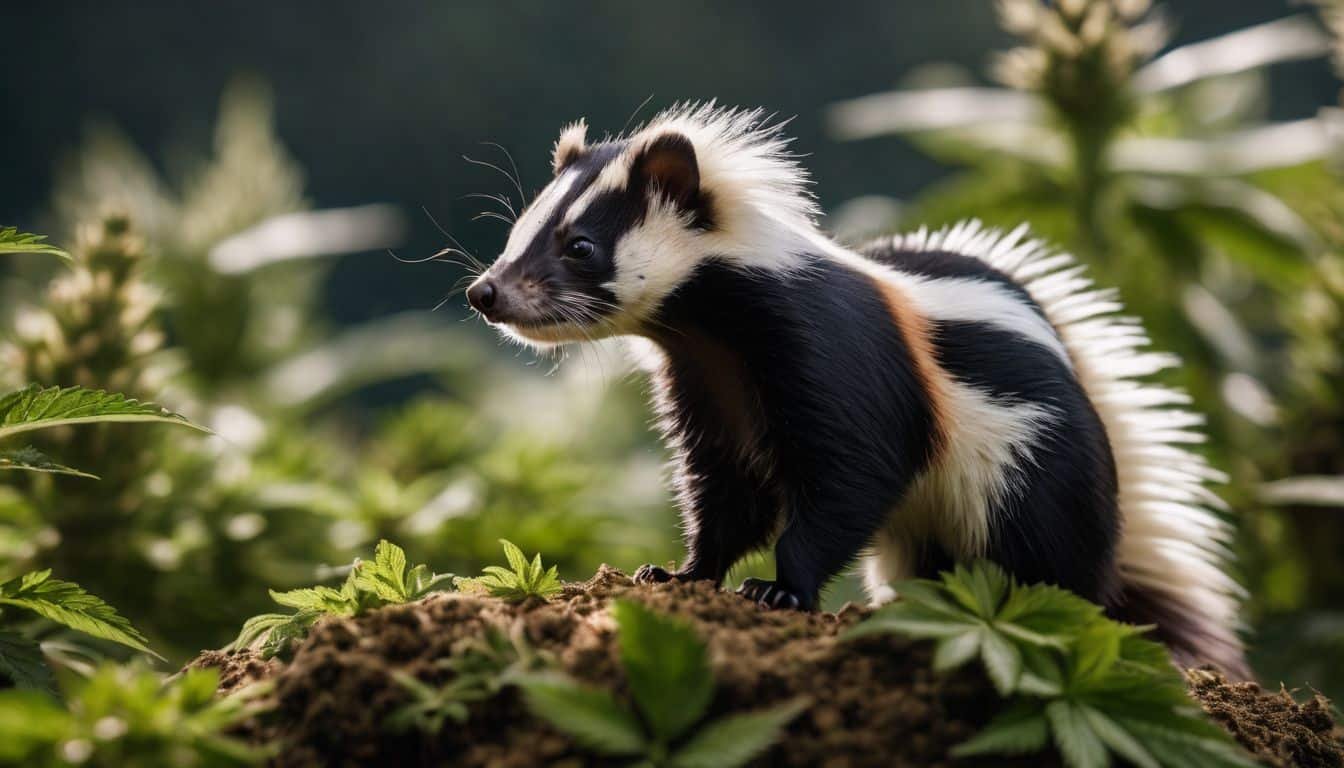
{"points": [[33, 460], [67, 603], [36, 407], [980, 612], [519, 581], [1091, 686], [672, 684], [14, 241], [385, 580]]}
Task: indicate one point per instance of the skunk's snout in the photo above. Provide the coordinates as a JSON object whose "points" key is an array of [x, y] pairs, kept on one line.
{"points": [[481, 295]]}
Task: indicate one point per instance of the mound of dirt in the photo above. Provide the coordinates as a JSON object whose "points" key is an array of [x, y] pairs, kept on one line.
{"points": [[876, 701]]}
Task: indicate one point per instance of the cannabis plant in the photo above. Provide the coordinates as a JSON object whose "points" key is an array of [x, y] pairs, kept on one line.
{"points": [[520, 581], [127, 717], [671, 686], [1093, 687], [385, 580]]}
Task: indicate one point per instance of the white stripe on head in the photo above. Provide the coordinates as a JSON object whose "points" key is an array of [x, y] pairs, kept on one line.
{"points": [[536, 216]]}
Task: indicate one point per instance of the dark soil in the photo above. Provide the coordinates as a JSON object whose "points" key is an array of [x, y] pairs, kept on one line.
{"points": [[876, 701]]}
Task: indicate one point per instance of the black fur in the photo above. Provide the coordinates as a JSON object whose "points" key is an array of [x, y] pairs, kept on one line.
{"points": [[1061, 528], [836, 423], [831, 424]]}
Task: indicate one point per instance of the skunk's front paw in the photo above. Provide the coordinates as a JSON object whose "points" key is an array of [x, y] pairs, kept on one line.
{"points": [[770, 594], [652, 574]]}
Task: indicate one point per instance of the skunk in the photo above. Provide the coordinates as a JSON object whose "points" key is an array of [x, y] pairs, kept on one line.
{"points": [[923, 400]]}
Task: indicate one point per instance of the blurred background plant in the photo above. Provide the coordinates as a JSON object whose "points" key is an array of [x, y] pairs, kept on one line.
{"points": [[205, 279]]}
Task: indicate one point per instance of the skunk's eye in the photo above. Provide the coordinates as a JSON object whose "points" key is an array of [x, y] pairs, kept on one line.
{"points": [[579, 248]]}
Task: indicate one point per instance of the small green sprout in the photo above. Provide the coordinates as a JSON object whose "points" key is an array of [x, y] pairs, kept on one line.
{"points": [[519, 581], [385, 580]]}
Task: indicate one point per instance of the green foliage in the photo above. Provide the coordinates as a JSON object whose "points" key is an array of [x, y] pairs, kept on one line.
{"points": [[37, 407], [671, 684], [1094, 686], [369, 584], [479, 672], [14, 241], [68, 604], [979, 612], [33, 460], [126, 716], [520, 581]]}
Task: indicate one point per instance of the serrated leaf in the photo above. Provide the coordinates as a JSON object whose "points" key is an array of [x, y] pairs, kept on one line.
{"points": [[23, 665], [1095, 652], [32, 460], [667, 666], [1173, 745], [14, 241], [912, 619], [385, 576], [1003, 661], [391, 562], [320, 599], [735, 740], [1041, 673], [954, 651], [36, 408], [1019, 730], [515, 557], [590, 716], [1118, 739], [1077, 743], [67, 603]]}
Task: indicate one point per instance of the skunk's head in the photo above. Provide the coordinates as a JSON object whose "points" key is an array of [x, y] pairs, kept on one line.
{"points": [[627, 220]]}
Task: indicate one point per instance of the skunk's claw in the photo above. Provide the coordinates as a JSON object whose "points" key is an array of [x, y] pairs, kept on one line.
{"points": [[652, 574], [770, 594]]}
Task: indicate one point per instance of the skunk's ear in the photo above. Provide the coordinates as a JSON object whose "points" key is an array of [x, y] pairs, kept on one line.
{"points": [[666, 166], [571, 144]]}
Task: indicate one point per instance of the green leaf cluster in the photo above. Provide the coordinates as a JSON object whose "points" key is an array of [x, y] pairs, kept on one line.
{"points": [[127, 716], [62, 602], [385, 580], [671, 685], [518, 582], [14, 241], [1095, 687]]}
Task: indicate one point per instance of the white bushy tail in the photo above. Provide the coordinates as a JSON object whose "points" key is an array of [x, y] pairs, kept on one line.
{"points": [[1173, 546]]}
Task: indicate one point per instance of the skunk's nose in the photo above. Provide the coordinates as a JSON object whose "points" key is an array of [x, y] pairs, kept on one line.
{"points": [[481, 295]]}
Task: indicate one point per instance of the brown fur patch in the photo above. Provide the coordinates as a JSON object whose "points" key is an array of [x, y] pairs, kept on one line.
{"points": [[914, 328]]}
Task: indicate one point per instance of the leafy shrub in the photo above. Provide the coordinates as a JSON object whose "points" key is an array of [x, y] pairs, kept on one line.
{"points": [[385, 580], [126, 717], [1095, 686], [671, 685], [519, 581]]}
